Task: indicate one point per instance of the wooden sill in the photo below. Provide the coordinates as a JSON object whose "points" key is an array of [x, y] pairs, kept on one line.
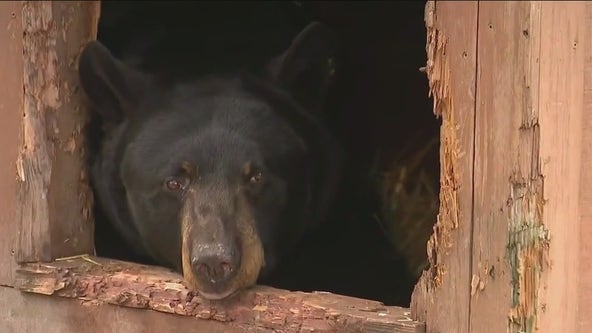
{"points": [[99, 280]]}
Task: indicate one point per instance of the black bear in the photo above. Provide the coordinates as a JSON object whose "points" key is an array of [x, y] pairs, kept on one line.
{"points": [[219, 176]]}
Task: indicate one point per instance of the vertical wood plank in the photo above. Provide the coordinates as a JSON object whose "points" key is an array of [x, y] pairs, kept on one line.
{"points": [[11, 102], [54, 199], [527, 166], [441, 297], [507, 183], [561, 104], [585, 250]]}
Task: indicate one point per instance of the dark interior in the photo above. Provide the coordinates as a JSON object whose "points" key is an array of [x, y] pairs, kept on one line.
{"points": [[378, 104]]}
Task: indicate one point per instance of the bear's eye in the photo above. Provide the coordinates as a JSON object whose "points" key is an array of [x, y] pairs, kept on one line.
{"points": [[173, 184], [252, 174], [256, 177]]}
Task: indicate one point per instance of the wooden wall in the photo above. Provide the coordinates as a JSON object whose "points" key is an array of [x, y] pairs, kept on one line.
{"points": [[46, 211], [512, 83], [509, 249]]}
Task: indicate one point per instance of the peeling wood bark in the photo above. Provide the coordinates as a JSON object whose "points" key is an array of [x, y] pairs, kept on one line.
{"points": [[451, 70], [98, 280], [55, 200]]}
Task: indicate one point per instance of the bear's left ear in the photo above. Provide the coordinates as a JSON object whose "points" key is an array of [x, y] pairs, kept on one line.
{"points": [[114, 88], [306, 67]]}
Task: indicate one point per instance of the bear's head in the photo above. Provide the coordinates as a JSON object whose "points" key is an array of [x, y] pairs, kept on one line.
{"points": [[208, 168]]}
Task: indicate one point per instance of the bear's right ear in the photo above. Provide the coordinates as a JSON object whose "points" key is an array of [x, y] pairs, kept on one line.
{"points": [[304, 69], [114, 89]]}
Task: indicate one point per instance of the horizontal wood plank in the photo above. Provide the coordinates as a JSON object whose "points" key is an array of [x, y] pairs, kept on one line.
{"points": [[25, 312], [100, 280]]}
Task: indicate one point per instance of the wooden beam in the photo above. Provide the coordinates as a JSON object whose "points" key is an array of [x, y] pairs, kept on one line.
{"points": [[26, 312], [54, 211], [528, 148], [11, 104], [100, 280], [508, 183], [561, 104], [441, 297]]}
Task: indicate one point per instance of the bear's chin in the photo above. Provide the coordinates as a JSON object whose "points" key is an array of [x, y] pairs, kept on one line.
{"points": [[218, 296]]}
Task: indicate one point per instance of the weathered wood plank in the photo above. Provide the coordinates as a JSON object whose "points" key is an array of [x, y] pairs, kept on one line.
{"points": [[25, 312], [441, 298], [527, 166], [11, 104], [54, 211], [121, 283], [561, 105], [507, 183], [585, 251]]}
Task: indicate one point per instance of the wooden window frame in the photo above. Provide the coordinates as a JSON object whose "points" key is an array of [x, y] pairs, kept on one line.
{"points": [[51, 243], [510, 250]]}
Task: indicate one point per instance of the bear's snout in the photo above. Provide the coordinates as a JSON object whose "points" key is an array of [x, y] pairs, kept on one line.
{"points": [[215, 264]]}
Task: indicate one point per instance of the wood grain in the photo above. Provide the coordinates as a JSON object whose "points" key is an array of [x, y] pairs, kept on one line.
{"points": [[507, 249], [561, 104], [451, 69], [54, 199], [11, 104], [528, 148], [29, 313], [100, 280], [585, 251]]}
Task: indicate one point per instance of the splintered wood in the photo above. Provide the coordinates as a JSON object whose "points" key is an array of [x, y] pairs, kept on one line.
{"points": [[97, 281], [55, 200], [506, 251], [451, 45]]}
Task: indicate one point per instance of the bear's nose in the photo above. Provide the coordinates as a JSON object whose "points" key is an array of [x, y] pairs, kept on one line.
{"points": [[213, 269]]}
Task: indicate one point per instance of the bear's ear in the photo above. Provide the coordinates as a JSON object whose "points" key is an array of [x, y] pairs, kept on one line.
{"points": [[114, 89], [306, 67]]}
